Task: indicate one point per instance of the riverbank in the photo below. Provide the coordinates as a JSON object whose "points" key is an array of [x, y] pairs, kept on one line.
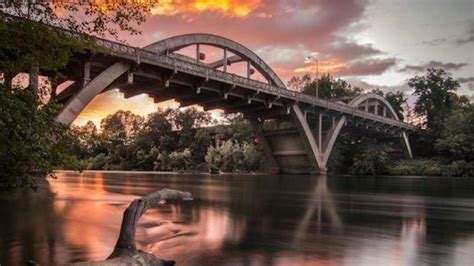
{"points": [[431, 167]]}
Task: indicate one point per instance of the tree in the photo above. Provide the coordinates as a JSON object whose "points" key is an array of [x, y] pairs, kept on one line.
{"points": [[328, 87], [436, 97], [31, 139], [298, 83], [373, 160], [239, 128], [457, 137], [92, 17], [397, 100]]}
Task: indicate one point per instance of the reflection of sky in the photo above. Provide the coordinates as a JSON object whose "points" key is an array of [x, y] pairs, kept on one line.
{"points": [[252, 220], [369, 43]]}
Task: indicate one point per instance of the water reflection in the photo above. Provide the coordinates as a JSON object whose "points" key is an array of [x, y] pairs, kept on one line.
{"points": [[246, 220]]}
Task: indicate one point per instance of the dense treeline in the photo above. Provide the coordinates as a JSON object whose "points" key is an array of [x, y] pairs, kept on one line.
{"points": [[167, 140]]}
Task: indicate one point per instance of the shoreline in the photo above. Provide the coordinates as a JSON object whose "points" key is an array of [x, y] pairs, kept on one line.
{"points": [[248, 174]]}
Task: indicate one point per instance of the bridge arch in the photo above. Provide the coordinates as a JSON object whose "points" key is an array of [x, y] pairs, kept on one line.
{"points": [[357, 102], [178, 42], [332, 135]]}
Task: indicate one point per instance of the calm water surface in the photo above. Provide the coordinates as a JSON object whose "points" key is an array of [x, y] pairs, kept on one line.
{"points": [[246, 220]]}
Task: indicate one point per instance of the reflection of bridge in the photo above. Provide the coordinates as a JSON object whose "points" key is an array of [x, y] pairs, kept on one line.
{"points": [[311, 124]]}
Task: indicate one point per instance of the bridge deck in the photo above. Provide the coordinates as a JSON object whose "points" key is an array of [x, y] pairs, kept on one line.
{"points": [[180, 65]]}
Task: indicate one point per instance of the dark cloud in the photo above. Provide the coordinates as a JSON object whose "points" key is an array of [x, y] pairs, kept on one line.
{"points": [[469, 81], [348, 50], [366, 67], [469, 36], [403, 86], [465, 80], [435, 42], [433, 64]]}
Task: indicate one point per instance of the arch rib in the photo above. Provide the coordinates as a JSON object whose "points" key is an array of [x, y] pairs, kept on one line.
{"points": [[175, 43], [79, 101], [370, 96]]}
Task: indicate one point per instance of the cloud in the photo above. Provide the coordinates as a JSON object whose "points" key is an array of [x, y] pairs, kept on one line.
{"points": [[465, 80], [433, 64], [227, 8], [469, 81], [345, 69], [282, 32], [435, 42], [469, 36], [402, 86]]}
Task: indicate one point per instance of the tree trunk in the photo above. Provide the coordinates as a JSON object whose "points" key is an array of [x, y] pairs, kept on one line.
{"points": [[125, 251]]}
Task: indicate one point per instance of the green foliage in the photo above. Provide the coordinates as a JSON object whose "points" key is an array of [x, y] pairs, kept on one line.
{"points": [[328, 87], [344, 151], [180, 161], [102, 18], [374, 160], [234, 157], [168, 140], [239, 129], [436, 97], [432, 167], [24, 44], [419, 167], [30, 139], [397, 100], [457, 138]]}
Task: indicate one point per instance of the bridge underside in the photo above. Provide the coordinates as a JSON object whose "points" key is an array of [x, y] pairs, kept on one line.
{"points": [[296, 137]]}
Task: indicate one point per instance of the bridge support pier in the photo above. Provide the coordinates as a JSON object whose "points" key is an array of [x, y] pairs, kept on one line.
{"points": [[270, 161]]}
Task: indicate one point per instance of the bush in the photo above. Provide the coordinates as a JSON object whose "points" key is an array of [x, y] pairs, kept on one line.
{"points": [[459, 168], [373, 161], [30, 140], [180, 161], [431, 167], [234, 157]]}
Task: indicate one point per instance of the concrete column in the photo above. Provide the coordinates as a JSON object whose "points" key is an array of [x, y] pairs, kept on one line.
{"points": [[320, 129], [198, 52], [130, 77], [225, 59], [309, 143], [271, 162], [376, 108], [406, 145], [366, 106], [87, 74], [385, 111], [248, 69]]}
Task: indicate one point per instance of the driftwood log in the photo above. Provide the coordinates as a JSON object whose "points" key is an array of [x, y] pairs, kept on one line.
{"points": [[125, 251]]}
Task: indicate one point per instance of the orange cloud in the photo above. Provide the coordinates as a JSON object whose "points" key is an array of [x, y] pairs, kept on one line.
{"points": [[229, 8], [325, 66]]}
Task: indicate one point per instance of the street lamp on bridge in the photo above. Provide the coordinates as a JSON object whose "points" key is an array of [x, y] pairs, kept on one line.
{"points": [[313, 58]]}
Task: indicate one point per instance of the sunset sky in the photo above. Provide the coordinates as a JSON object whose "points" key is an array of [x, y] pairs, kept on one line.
{"points": [[369, 43]]}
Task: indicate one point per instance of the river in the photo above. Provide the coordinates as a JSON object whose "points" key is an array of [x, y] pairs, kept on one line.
{"points": [[246, 220]]}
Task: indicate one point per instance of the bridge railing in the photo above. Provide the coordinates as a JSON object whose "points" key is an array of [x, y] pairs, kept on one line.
{"points": [[179, 64]]}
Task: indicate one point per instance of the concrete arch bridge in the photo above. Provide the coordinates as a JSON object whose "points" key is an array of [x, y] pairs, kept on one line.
{"points": [[305, 128]]}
